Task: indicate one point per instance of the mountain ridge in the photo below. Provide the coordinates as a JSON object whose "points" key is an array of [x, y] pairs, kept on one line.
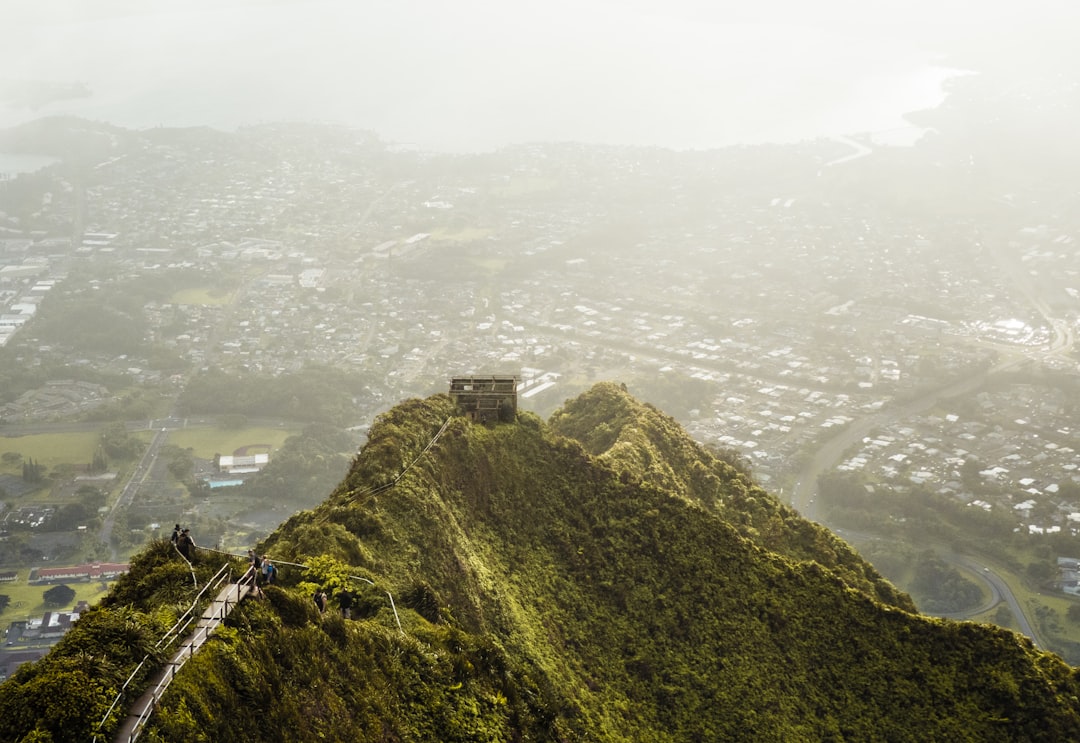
{"points": [[597, 577]]}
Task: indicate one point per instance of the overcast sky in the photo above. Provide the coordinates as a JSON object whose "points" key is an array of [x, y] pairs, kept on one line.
{"points": [[478, 74]]}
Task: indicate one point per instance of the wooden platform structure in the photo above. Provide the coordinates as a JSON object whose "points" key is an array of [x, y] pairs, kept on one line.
{"points": [[486, 398], [138, 714]]}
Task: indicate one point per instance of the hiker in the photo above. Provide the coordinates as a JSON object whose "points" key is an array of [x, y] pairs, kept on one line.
{"points": [[256, 565], [185, 544], [175, 534], [345, 599], [269, 571], [320, 601]]}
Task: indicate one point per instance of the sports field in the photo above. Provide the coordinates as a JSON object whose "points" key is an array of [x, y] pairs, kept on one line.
{"points": [[206, 442]]}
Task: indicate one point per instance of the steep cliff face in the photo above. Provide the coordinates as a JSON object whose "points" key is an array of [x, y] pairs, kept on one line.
{"points": [[600, 577]]}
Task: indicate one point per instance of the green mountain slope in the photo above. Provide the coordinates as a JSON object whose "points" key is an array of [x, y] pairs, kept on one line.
{"points": [[600, 577]]}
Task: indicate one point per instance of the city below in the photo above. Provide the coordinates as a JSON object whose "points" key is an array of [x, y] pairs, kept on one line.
{"points": [[813, 308]]}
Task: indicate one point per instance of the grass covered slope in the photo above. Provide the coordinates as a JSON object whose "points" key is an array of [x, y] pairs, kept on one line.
{"points": [[624, 587], [648, 446]]}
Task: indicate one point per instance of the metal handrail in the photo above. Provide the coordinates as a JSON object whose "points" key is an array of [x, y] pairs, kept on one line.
{"points": [[181, 658], [167, 638], [224, 574]]}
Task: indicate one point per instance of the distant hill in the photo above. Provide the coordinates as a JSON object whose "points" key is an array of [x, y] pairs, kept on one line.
{"points": [[600, 577]]}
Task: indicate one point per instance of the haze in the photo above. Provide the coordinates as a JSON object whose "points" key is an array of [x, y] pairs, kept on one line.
{"points": [[478, 75]]}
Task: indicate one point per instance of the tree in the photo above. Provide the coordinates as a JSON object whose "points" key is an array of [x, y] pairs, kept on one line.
{"points": [[732, 456], [969, 475], [63, 471], [70, 516], [90, 497], [1040, 572], [60, 595], [4, 601], [33, 472], [11, 458], [117, 443], [181, 464], [1073, 613], [18, 548], [940, 587], [198, 488], [100, 462]]}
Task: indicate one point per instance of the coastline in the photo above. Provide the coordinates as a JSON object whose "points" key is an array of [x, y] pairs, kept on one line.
{"points": [[13, 163], [646, 86]]}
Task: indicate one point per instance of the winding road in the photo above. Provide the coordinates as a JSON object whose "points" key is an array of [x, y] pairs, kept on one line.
{"points": [[1000, 590], [832, 451], [997, 586]]}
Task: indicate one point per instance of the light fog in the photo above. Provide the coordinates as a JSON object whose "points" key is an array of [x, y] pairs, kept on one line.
{"points": [[477, 75]]}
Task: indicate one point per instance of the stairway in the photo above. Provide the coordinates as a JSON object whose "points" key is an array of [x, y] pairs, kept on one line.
{"points": [[227, 600]]}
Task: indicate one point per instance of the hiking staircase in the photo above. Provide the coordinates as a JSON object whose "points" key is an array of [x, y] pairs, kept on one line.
{"points": [[229, 596]]}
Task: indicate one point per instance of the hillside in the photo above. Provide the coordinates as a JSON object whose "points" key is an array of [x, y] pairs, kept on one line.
{"points": [[598, 577]]}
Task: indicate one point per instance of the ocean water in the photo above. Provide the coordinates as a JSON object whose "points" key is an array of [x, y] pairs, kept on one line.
{"points": [[467, 76], [12, 164]]}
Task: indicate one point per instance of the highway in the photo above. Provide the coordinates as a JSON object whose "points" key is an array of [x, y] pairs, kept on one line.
{"points": [[999, 588], [138, 476], [829, 454], [826, 458]]}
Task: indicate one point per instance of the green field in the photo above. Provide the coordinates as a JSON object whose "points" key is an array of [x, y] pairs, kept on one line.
{"points": [[211, 297], [27, 602], [206, 442], [51, 449]]}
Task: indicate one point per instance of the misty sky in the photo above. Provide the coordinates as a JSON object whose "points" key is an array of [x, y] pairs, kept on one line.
{"points": [[479, 74]]}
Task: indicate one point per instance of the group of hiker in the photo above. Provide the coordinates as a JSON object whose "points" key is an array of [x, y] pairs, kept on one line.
{"points": [[344, 598], [264, 572], [185, 545]]}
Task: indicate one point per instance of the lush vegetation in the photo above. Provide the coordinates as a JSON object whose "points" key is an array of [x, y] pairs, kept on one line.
{"points": [[644, 444], [599, 578], [940, 587]]}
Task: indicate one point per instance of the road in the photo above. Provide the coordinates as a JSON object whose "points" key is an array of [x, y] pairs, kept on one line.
{"points": [[138, 476], [830, 453], [999, 587]]}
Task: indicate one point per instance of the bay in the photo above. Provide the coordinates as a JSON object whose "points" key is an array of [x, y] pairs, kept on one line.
{"points": [[475, 75]]}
